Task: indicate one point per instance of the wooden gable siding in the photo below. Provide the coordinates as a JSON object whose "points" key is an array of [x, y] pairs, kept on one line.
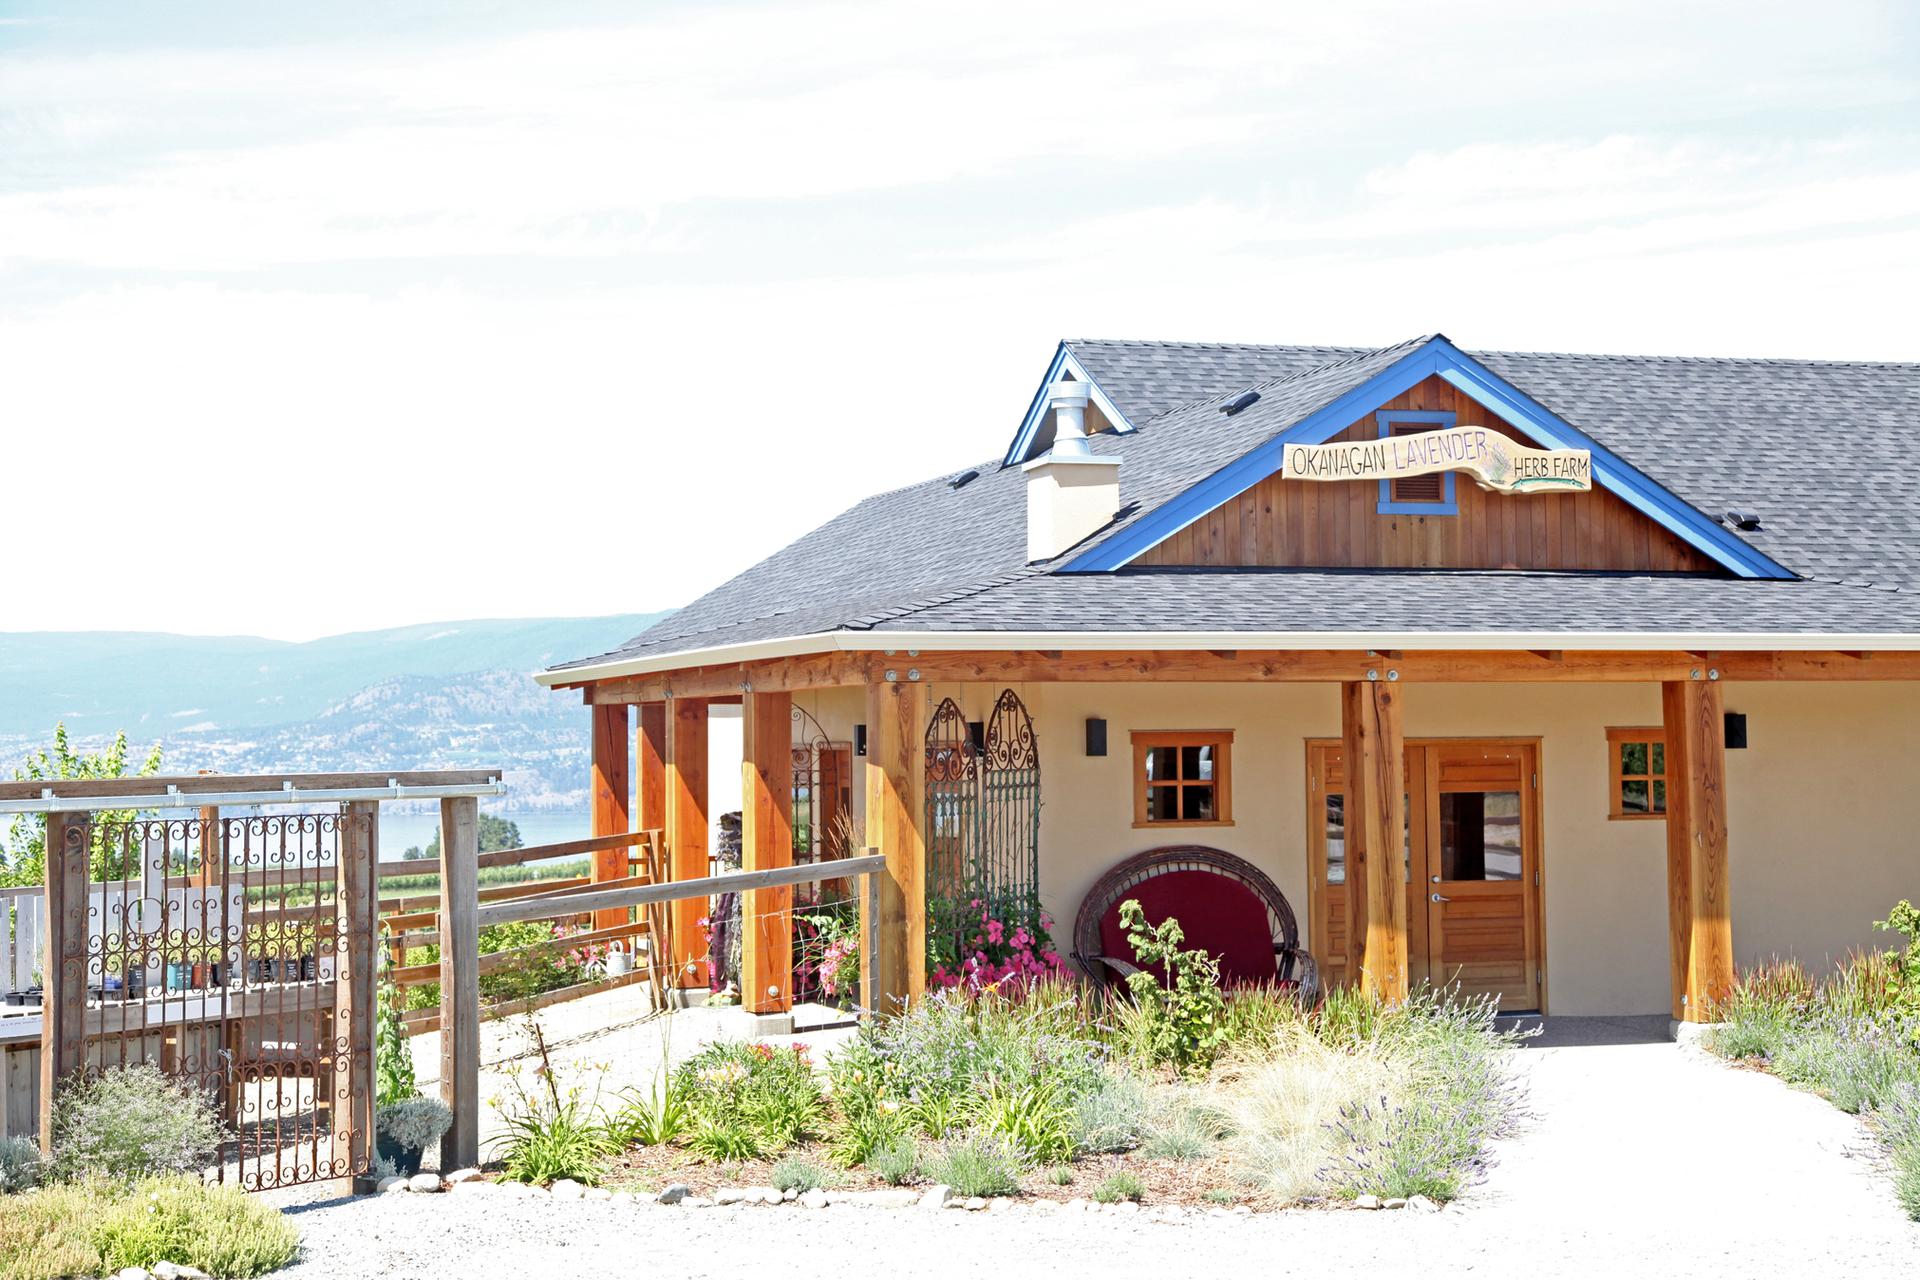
{"points": [[1316, 524]]}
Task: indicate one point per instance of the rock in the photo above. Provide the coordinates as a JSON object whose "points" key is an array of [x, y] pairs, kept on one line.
{"points": [[419, 1182], [622, 1198], [1241, 1211], [131, 1273], [568, 1189], [814, 1199], [1077, 1205], [1421, 1204], [1394, 1202], [459, 1176], [976, 1203], [646, 1197], [387, 1186], [1366, 1202], [177, 1271], [936, 1196], [731, 1195], [896, 1198], [675, 1194], [1000, 1202], [770, 1195], [1047, 1206], [696, 1202], [597, 1193], [1126, 1206]]}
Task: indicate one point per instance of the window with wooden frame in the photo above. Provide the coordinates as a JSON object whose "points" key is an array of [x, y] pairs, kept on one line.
{"points": [[1183, 778], [1428, 495], [1639, 773]]}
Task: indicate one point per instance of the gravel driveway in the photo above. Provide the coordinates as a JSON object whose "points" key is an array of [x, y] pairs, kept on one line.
{"points": [[1642, 1159]]}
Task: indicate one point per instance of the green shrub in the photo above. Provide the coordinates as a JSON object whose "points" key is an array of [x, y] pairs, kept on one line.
{"points": [[654, 1118], [896, 1163], [797, 1174], [1112, 1117], [127, 1123], [552, 1131], [413, 1123], [1118, 1187], [96, 1228], [748, 1099], [1060, 1175], [1254, 1015], [21, 1165], [392, 1056], [1220, 1195], [1033, 1120], [217, 1229], [976, 1164], [1185, 1018], [1758, 1015], [1183, 1129]]}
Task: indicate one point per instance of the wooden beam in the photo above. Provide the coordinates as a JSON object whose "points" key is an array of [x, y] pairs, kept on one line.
{"points": [[772, 675], [687, 838], [1700, 924], [894, 969], [354, 988], [609, 789], [460, 980], [650, 762], [640, 892], [214, 783], [766, 832], [1375, 754], [63, 1035]]}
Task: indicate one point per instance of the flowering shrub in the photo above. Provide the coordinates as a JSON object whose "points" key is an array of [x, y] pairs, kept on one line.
{"points": [[748, 1099], [984, 942], [826, 953]]}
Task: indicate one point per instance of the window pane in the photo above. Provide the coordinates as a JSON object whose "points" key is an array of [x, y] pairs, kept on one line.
{"points": [[1480, 835], [1161, 762], [1633, 758], [1163, 804], [1660, 757], [1336, 839], [1633, 797], [1659, 797], [1197, 804]]}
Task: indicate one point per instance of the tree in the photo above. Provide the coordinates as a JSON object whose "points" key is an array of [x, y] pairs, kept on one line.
{"points": [[495, 834], [24, 859]]}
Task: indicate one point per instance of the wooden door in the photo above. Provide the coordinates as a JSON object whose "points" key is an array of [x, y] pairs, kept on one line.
{"points": [[1482, 861], [1470, 863]]}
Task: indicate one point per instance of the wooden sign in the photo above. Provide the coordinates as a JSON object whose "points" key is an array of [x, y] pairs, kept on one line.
{"points": [[1494, 461]]}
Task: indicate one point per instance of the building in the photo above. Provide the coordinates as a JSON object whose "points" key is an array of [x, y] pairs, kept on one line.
{"points": [[1641, 701]]}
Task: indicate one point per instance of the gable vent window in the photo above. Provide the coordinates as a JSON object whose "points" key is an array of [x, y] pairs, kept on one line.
{"points": [[1428, 495]]}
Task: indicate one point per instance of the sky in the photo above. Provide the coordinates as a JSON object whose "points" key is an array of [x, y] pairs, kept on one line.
{"points": [[322, 318]]}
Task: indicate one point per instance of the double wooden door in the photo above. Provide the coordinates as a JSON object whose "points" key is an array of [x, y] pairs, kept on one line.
{"points": [[1470, 861]]}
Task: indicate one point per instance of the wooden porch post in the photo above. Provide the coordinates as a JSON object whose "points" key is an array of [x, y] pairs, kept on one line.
{"points": [[611, 743], [63, 1004], [650, 803], [460, 980], [894, 970], [1375, 753], [687, 838], [1700, 925], [766, 815]]}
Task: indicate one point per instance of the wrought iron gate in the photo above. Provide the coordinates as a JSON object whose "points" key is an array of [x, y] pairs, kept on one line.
{"points": [[983, 804], [234, 954]]}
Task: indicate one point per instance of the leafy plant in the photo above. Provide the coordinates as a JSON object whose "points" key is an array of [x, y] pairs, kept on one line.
{"points": [[127, 1123], [1112, 1116], [21, 1165], [896, 1163], [27, 838], [976, 1164], [1904, 919], [1183, 1129], [414, 1123], [1118, 1187], [1032, 1118], [216, 1229], [552, 1132], [795, 1173], [1186, 1015], [1061, 1175], [1220, 1195], [746, 1099], [654, 1118], [981, 943], [392, 1058]]}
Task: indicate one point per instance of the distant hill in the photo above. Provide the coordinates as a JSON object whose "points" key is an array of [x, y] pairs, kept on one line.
{"points": [[436, 695], [152, 682]]}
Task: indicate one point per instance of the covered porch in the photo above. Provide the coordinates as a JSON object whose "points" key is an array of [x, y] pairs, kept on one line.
{"points": [[1613, 915]]}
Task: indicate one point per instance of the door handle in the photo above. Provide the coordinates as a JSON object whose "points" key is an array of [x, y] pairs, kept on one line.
{"points": [[1440, 897]]}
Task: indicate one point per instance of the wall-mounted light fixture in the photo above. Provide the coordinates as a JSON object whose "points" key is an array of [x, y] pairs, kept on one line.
{"points": [[1096, 736], [1736, 730], [859, 739]]}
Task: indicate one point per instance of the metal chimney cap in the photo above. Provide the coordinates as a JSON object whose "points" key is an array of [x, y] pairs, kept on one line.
{"points": [[1067, 394]]}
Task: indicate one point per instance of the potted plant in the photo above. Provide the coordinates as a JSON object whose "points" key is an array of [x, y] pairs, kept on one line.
{"points": [[404, 1123]]}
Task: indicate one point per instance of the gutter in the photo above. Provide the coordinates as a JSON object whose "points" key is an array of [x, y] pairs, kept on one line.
{"points": [[916, 642]]}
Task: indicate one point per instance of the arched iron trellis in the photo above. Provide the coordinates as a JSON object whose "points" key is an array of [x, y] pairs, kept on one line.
{"points": [[983, 804], [817, 788]]}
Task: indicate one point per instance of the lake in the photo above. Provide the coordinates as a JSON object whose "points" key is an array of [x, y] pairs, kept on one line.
{"points": [[398, 830]]}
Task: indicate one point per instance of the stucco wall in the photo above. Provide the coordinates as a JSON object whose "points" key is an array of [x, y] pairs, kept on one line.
{"points": [[1822, 814]]}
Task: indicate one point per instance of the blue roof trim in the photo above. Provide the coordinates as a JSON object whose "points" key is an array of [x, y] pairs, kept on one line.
{"points": [[1063, 361], [1436, 356]]}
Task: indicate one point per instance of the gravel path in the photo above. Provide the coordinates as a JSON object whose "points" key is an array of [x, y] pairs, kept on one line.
{"points": [[1642, 1158]]}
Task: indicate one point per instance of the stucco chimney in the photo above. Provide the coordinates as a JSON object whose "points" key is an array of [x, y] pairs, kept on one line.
{"points": [[1070, 491]]}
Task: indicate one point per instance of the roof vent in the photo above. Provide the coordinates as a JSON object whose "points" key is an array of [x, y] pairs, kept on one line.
{"points": [[1071, 491], [963, 478], [1743, 520], [1239, 402]]}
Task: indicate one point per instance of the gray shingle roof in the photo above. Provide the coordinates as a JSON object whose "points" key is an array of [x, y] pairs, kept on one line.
{"points": [[1824, 452]]}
